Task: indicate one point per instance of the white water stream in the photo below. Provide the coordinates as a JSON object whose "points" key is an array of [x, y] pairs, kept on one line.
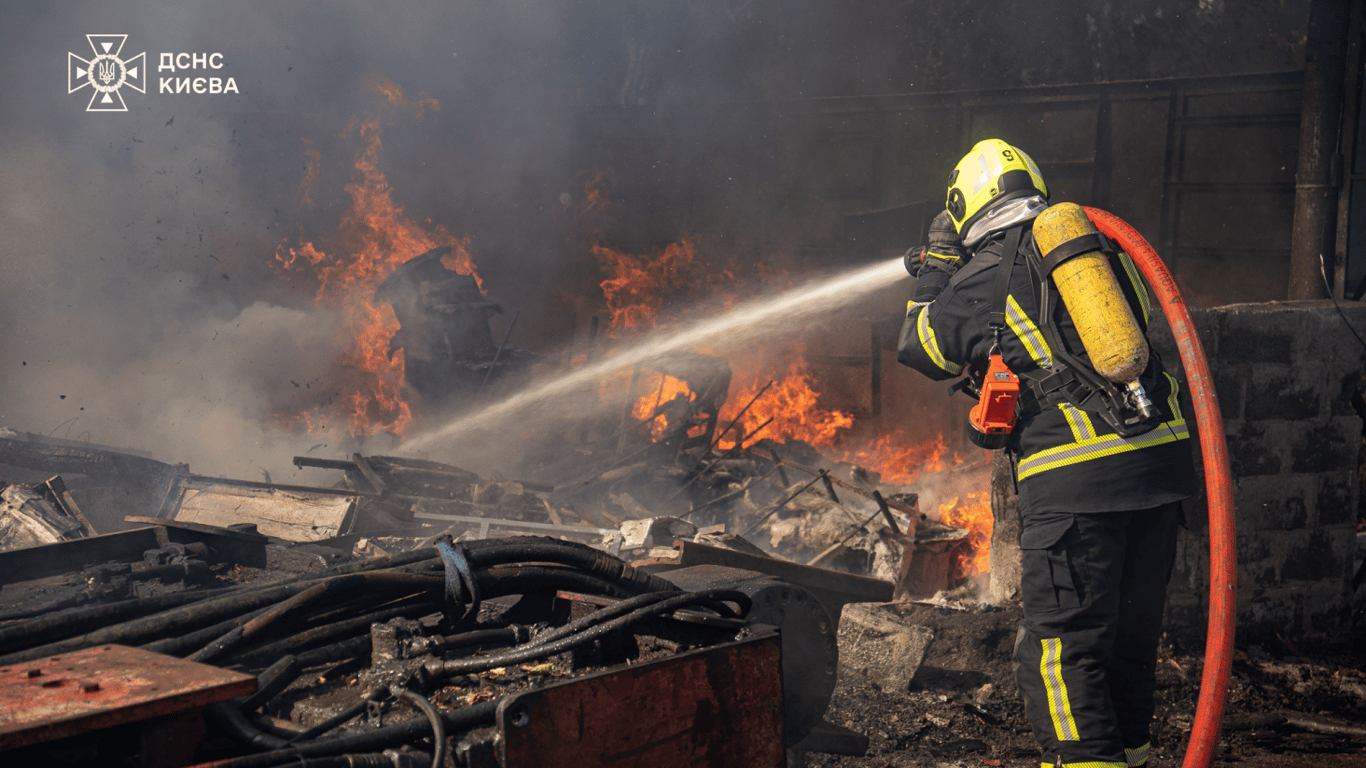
{"points": [[773, 315]]}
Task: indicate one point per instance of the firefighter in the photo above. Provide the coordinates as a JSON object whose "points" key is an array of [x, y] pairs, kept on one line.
{"points": [[1100, 477]]}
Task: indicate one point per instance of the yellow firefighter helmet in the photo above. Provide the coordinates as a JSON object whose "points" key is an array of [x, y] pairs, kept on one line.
{"points": [[992, 172]]}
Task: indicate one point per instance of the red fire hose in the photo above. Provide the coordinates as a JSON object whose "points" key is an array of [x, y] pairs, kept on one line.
{"points": [[1223, 578]]}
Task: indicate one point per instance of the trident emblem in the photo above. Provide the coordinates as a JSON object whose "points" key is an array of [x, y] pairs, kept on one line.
{"points": [[106, 73]]}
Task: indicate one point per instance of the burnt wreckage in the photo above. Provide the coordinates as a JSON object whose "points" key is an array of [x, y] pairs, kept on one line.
{"points": [[448, 349], [415, 613]]}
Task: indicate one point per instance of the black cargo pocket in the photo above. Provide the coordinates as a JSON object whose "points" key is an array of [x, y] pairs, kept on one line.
{"points": [[1049, 581]]}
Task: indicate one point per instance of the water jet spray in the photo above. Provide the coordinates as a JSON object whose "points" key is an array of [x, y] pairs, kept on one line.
{"points": [[759, 317]]}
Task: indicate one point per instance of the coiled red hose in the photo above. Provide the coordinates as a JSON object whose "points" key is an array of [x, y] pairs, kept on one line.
{"points": [[1223, 577]]}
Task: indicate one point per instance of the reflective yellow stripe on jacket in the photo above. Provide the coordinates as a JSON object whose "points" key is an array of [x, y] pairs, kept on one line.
{"points": [[1131, 270], [1097, 446], [931, 345], [1028, 333]]}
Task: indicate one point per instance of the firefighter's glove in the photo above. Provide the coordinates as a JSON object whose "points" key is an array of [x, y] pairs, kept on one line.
{"points": [[940, 259]]}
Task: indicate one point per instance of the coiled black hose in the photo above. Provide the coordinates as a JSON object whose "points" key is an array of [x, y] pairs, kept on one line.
{"points": [[459, 720], [329, 632], [502, 580], [155, 619], [712, 597], [42, 629], [534, 549]]}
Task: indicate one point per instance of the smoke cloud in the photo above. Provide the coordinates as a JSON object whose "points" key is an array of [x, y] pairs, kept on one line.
{"points": [[140, 296]]}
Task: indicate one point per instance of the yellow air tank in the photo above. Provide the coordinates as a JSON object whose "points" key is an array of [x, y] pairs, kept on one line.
{"points": [[1088, 288]]}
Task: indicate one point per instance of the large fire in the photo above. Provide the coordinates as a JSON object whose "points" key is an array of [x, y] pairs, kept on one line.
{"points": [[374, 238], [773, 393], [772, 384]]}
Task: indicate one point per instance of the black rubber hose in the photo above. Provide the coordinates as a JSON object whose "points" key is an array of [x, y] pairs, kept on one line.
{"points": [[328, 632], [626, 581], [368, 740], [269, 683], [480, 638], [599, 616], [532, 549], [183, 644], [161, 612], [433, 717], [353, 711], [493, 582], [232, 720], [348, 584], [341, 651], [58, 625], [503, 580], [157, 626], [715, 597]]}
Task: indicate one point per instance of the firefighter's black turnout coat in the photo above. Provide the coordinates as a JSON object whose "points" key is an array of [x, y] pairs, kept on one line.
{"points": [[1067, 459], [1099, 511]]}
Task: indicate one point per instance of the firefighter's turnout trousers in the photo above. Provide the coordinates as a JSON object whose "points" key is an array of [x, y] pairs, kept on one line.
{"points": [[1093, 589]]}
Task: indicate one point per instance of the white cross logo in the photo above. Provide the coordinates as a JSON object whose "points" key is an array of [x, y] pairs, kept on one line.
{"points": [[106, 73]]}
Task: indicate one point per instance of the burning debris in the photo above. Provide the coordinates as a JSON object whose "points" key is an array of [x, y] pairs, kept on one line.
{"points": [[448, 352], [390, 605]]}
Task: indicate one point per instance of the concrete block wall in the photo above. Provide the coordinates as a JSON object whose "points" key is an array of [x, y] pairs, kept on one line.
{"points": [[1287, 375]]}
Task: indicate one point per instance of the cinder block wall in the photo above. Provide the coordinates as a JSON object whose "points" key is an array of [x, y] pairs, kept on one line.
{"points": [[1286, 374]]}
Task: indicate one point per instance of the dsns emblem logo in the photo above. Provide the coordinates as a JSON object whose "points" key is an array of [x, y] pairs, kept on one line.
{"points": [[106, 73]]}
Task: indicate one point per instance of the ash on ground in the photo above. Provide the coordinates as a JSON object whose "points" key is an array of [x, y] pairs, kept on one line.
{"points": [[1287, 706]]}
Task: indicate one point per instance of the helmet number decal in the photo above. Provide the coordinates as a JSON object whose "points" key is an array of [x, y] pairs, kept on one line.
{"points": [[1007, 154]]}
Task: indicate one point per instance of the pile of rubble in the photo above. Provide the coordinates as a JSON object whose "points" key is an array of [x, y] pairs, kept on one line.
{"points": [[399, 587]]}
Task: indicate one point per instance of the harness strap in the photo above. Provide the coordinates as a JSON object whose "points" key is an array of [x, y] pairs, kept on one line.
{"points": [[997, 319], [1074, 247]]}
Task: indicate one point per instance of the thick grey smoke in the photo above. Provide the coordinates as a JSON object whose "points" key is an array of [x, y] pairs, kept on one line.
{"points": [[139, 298]]}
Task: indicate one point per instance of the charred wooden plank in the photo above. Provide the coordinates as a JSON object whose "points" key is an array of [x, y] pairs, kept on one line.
{"points": [[51, 559]]}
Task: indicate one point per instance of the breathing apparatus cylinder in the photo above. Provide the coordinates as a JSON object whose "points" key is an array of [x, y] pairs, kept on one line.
{"points": [[1082, 274], [1092, 295]]}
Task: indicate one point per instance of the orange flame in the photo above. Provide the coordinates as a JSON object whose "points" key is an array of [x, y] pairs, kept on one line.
{"points": [[637, 290], [659, 389], [973, 512], [375, 238], [637, 286], [792, 403], [900, 460]]}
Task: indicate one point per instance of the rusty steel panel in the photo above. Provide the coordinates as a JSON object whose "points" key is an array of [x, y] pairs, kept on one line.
{"points": [[72, 693], [720, 706]]}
